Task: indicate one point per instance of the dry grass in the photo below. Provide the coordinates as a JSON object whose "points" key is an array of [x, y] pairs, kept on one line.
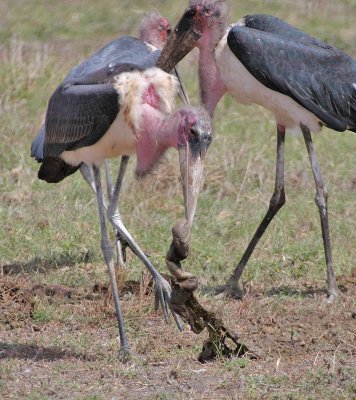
{"points": [[70, 346]]}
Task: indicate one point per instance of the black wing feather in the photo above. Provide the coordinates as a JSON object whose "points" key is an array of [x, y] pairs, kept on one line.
{"points": [[78, 116], [317, 76]]}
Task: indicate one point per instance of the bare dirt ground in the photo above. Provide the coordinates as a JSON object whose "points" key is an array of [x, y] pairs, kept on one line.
{"points": [[60, 342]]}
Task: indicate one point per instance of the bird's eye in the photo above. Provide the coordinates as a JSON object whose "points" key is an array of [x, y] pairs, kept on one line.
{"points": [[169, 31]]}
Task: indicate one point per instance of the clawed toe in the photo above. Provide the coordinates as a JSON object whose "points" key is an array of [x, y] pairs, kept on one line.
{"points": [[230, 291], [127, 356], [163, 293], [333, 295]]}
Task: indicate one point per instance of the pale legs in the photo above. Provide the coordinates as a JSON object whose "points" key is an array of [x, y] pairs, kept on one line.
{"points": [[87, 174], [321, 200], [108, 256], [277, 201], [120, 243], [162, 287]]}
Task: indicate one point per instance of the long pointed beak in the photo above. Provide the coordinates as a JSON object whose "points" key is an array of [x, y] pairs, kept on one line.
{"points": [[181, 41], [191, 159], [182, 92]]}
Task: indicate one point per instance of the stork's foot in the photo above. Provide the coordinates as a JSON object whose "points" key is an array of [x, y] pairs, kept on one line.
{"points": [[333, 295], [231, 290], [127, 356]]}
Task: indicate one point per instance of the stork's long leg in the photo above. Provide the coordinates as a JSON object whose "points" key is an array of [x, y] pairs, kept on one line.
{"points": [[276, 203], [88, 176], [108, 179], [321, 200], [108, 255], [120, 242], [163, 289]]}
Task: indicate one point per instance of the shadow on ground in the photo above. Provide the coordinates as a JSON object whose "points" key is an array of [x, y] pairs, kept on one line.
{"points": [[36, 353], [293, 291], [304, 291], [44, 264], [283, 290]]}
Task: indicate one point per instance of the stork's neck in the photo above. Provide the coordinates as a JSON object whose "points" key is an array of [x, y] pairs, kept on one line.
{"points": [[169, 131], [157, 135], [211, 86]]}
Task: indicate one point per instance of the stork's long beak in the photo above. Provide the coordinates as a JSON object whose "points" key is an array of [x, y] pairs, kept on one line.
{"points": [[182, 92], [181, 41], [191, 159]]}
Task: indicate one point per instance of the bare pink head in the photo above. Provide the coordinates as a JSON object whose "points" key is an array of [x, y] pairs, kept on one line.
{"points": [[186, 127], [155, 30], [189, 130], [208, 14]]}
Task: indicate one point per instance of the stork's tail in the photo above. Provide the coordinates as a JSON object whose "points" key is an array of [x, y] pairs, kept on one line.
{"points": [[37, 145], [54, 169]]}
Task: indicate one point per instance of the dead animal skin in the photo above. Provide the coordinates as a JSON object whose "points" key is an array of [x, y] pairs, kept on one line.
{"points": [[186, 305]]}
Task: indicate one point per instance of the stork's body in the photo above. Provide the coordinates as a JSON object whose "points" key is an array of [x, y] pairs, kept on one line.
{"points": [[263, 60], [122, 54], [104, 121]]}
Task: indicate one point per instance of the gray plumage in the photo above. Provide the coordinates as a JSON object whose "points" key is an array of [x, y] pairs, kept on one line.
{"points": [[85, 104], [121, 55]]}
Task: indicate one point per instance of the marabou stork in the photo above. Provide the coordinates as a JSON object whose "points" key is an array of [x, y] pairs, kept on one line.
{"points": [[118, 102], [263, 60], [154, 31]]}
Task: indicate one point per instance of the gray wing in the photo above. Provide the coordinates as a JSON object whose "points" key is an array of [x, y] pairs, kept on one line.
{"points": [[78, 116], [315, 75], [121, 55]]}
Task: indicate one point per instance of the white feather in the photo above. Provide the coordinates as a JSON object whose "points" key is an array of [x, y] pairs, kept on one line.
{"points": [[131, 87]]}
